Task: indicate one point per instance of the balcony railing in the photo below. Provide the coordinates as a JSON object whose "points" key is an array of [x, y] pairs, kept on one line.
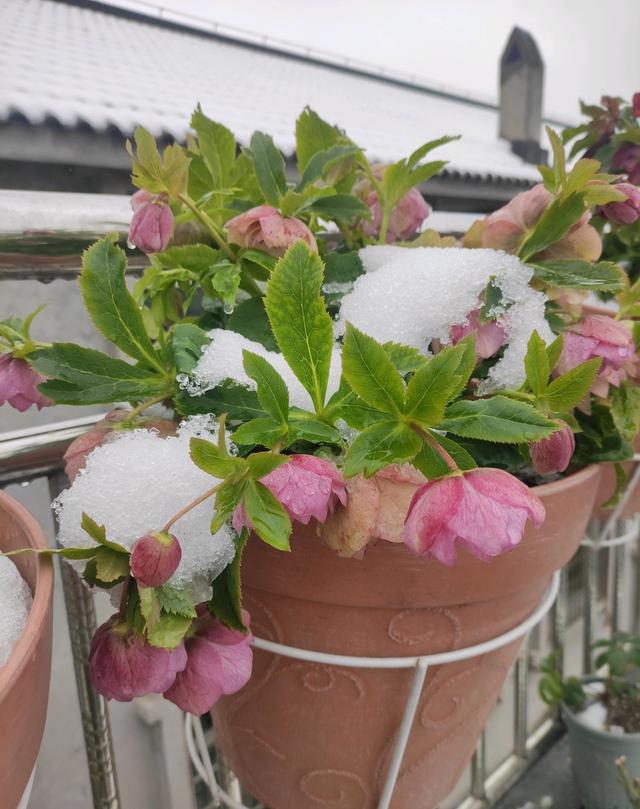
{"points": [[41, 238]]}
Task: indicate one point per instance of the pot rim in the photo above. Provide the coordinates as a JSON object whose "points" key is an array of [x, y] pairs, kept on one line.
{"points": [[25, 647], [571, 720], [574, 478]]}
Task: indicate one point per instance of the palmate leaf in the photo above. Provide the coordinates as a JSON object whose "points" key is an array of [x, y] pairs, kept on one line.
{"points": [[313, 135], [217, 148], [436, 383], [226, 600], [110, 304], [554, 223], [268, 517], [269, 166], [566, 391], [537, 365], [299, 319], [497, 419], [272, 390], [212, 460]]}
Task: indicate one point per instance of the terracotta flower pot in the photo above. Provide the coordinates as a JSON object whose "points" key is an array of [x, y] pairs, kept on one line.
{"points": [[303, 736], [24, 678]]}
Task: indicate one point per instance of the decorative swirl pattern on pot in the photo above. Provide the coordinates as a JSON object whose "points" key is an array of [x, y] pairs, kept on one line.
{"points": [[353, 795], [319, 679], [403, 632]]}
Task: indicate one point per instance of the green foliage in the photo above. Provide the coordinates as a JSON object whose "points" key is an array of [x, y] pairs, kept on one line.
{"points": [[299, 319], [555, 222], [83, 376], [436, 383], [314, 136], [604, 276], [272, 391], [370, 373], [625, 410], [341, 207], [250, 319], [556, 691], [213, 460], [217, 147], [111, 305], [599, 439], [187, 343], [168, 630], [155, 173], [566, 391], [323, 160], [269, 167], [226, 601], [497, 419], [268, 516], [537, 364], [380, 445]]}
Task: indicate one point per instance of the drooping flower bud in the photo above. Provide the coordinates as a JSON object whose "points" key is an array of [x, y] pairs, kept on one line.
{"points": [[122, 665], [626, 212], [19, 384], [219, 661], [155, 558], [484, 510], [627, 159], [551, 455], [306, 486], [152, 222], [265, 228]]}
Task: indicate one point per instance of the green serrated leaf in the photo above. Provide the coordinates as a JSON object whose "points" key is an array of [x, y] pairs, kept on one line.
{"points": [[313, 135], [226, 601], [149, 606], [217, 148], [98, 534], [169, 631], [110, 304], [625, 410], [84, 376], [272, 390], [341, 207], [536, 363], [430, 462], [175, 601], [111, 565], [228, 498], [554, 350], [268, 516], [566, 391], [380, 445], [238, 402], [261, 463], [263, 431], [370, 373], [555, 222], [269, 166], [299, 319], [435, 384], [303, 427], [496, 419], [405, 359], [344, 404], [187, 344], [459, 454], [323, 160], [208, 457], [605, 276], [424, 150]]}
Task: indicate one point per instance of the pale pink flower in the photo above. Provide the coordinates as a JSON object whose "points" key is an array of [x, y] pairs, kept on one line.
{"points": [[155, 558], [219, 661], [405, 220], [306, 486], [19, 384], [600, 336], [152, 223], [506, 228], [484, 510], [265, 228], [490, 336], [122, 665], [626, 212], [552, 454]]}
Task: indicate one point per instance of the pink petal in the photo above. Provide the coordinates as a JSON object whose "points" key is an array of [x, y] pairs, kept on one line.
{"points": [[429, 513]]}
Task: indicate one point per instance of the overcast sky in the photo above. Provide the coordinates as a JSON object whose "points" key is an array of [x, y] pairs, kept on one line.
{"points": [[590, 47]]}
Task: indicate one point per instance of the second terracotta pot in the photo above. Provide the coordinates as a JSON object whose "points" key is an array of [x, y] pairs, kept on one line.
{"points": [[304, 736], [24, 678]]}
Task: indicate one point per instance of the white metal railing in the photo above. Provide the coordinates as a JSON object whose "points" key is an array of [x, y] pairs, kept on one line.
{"points": [[37, 452]]}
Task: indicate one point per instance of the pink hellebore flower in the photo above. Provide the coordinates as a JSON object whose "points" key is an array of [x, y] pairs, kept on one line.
{"points": [[18, 384], [600, 336], [626, 212], [405, 220], [219, 661], [552, 454], [264, 227], [627, 159], [123, 665], [506, 228], [490, 336], [306, 486], [155, 558], [485, 510], [152, 223]]}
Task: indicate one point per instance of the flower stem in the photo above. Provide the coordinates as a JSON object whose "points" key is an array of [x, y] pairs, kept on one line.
{"points": [[384, 227], [442, 452], [144, 406], [206, 221], [124, 596], [190, 506]]}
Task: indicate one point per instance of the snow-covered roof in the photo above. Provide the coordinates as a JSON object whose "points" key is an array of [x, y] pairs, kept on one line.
{"points": [[83, 66]]}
